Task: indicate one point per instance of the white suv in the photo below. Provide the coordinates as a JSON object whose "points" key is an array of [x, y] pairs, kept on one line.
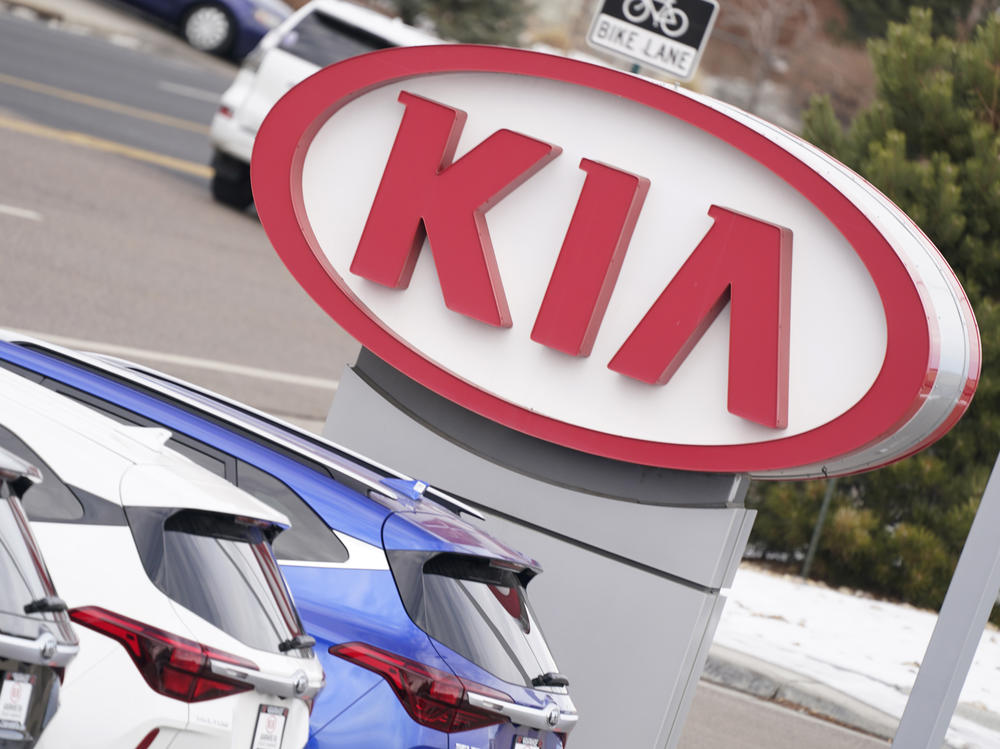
{"points": [[320, 33], [188, 635]]}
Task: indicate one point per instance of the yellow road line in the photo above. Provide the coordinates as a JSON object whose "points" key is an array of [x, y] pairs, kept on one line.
{"points": [[105, 104], [109, 146]]}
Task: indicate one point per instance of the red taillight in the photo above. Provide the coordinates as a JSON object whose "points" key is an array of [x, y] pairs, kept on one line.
{"points": [[148, 739], [433, 698], [173, 666], [225, 111]]}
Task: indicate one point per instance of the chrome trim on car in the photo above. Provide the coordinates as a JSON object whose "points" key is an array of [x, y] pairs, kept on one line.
{"points": [[293, 685], [543, 718], [44, 650]]}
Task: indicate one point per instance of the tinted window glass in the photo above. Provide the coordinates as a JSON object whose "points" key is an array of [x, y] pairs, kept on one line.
{"points": [[309, 539], [222, 570], [323, 40], [49, 500], [213, 464], [19, 370], [236, 418], [129, 418], [106, 409], [23, 576], [478, 610]]}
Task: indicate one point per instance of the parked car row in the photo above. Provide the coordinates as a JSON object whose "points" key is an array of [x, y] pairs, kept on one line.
{"points": [[158, 508]]}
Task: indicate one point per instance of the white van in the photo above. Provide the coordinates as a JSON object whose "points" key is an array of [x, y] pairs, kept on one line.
{"points": [[188, 635], [320, 33]]}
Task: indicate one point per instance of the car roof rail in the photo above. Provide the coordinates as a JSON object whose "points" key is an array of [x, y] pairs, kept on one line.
{"points": [[141, 375]]}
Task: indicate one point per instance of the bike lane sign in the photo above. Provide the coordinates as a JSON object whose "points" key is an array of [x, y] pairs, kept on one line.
{"points": [[668, 35]]}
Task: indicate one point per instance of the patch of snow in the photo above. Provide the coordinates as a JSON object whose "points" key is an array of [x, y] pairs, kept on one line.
{"points": [[867, 648]]}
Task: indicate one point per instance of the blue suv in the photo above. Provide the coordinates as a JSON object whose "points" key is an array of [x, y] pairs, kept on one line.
{"points": [[421, 618]]}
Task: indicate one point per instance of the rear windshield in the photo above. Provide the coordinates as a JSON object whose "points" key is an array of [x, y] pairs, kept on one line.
{"points": [[477, 609], [23, 576], [323, 40], [221, 569]]}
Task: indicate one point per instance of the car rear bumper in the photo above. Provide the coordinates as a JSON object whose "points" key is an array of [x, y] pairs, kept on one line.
{"points": [[230, 138]]}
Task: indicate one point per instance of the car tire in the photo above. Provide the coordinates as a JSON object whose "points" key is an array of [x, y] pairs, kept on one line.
{"points": [[209, 27], [231, 182]]}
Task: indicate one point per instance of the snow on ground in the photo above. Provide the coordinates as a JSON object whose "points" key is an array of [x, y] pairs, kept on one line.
{"points": [[864, 647]]}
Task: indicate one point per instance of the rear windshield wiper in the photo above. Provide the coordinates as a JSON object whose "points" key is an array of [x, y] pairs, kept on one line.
{"points": [[47, 605], [550, 679], [299, 642]]}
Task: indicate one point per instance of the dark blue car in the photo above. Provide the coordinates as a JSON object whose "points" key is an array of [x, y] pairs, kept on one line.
{"points": [[230, 28], [421, 618]]}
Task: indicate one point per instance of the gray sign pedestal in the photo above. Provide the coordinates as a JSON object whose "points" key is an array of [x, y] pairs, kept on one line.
{"points": [[634, 557]]}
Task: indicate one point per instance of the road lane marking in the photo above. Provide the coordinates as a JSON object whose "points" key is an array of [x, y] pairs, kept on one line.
{"points": [[105, 104], [109, 146], [10, 210], [128, 352], [189, 91]]}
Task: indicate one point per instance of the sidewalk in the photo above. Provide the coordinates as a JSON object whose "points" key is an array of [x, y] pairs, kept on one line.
{"points": [[750, 675], [843, 655]]}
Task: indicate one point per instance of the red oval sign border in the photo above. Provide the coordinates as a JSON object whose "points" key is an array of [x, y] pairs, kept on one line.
{"points": [[904, 381]]}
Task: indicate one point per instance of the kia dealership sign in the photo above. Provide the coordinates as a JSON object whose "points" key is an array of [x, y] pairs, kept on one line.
{"points": [[613, 265]]}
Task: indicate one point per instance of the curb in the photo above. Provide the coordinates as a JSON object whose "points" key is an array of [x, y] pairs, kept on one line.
{"points": [[744, 673]]}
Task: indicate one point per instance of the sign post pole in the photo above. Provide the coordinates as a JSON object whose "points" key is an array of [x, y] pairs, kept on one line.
{"points": [[966, 608]]}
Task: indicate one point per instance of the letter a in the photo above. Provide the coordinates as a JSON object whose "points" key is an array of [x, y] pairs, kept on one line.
{"points": [[423, 194], [748, 262]]}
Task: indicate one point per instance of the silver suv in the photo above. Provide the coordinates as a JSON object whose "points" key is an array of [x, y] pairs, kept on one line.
{"points": [[320, 33], [36, 638]]}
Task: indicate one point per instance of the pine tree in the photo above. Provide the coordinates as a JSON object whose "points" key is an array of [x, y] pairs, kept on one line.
{"points": [[870, 18], [931, 142], [472, 21]]}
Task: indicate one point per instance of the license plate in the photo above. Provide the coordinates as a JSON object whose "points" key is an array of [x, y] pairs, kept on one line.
{"points": [[524, 742], [15, 696], [270, 727]]}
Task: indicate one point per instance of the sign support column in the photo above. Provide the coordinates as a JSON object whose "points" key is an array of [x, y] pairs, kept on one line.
{"points": [[966, 609]]}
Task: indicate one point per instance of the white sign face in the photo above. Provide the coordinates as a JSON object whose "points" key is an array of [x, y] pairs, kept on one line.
{"points": [[667, 35], [613, 265]]}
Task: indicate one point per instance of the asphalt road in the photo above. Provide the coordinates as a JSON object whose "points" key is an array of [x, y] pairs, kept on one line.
{"points": [[84, 84], [109, 240], [723, 719], [117, 247]]}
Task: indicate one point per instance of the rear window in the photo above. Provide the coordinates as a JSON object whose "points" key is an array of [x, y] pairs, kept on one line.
{"points": [[23, 576], [221, 569], [323, 40], [477, 609], [49, 500]]}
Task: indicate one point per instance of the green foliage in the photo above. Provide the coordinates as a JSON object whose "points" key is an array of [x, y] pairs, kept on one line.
{"points": [[868, 18], [471, 21], [930, 142]]}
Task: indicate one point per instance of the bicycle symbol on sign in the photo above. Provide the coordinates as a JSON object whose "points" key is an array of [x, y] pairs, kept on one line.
{"points": [[672, 21]]}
